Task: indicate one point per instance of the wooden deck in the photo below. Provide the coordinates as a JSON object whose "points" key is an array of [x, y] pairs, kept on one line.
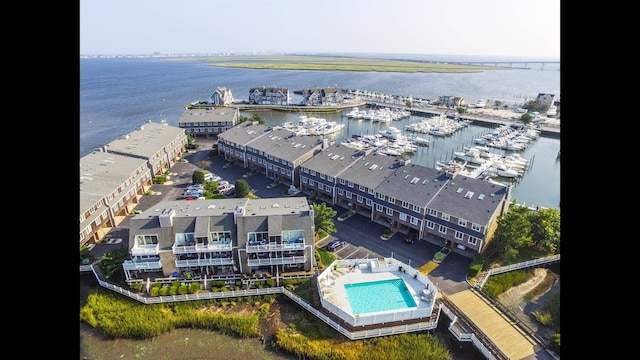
{"points": [[510, 340]]}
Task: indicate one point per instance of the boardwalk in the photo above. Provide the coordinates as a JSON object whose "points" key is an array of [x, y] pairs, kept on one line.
{"points": [[512, 342]]}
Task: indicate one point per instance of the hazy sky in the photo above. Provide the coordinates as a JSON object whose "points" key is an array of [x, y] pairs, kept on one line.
{"points": [[523, 28]]}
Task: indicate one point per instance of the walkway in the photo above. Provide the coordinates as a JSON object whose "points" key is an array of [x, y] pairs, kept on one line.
{"points": [[499, 328]]}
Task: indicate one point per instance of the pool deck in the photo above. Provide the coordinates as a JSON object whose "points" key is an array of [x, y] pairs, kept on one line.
{"points": [[335, 293]]}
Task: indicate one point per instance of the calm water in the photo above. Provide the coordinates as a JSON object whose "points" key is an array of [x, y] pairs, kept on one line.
{"points": [[118, 95]]}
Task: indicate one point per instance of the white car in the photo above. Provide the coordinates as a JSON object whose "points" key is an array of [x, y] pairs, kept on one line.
{"points": [[212, 177]]}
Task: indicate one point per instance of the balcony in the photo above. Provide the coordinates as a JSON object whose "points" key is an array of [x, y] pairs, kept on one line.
{"points": [[277, 261], [153, 264], [201, 248], [145, 250], [254, 246], [204, 262]]}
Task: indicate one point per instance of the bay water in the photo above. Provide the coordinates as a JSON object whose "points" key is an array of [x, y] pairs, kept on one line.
{"points": [[119, 94]]}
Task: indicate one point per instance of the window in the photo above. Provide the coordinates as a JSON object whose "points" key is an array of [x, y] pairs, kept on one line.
{"points": [[462, 222], [445, 216], [442, 229], [475, 227], [405, 204], [473, 240], [433, 212], [313, 172], [320, 186], [362, 188], [340, 192], [379, 207], [458, 235], [312, 183], [368, 202], [392, 200], [350, 184], [322, 176], [147, 239], [389, 211], [380, 196], [224, 237], [304, 180], [403, 216], [349, 195], [371, 191], [342, 181], [417, 208], [414, 220], [359, 198]]}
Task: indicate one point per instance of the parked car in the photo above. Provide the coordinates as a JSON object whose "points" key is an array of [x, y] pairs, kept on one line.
{"points": [[192, 194], [335, 244], [212, 177], [223, 183], [231, 191]]}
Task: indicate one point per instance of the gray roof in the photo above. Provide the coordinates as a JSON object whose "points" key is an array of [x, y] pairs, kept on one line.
{"points": [[283, 144], [101, 173], [147, 140], [218, 207], [471, 199], [333, 160], [371, 170], [414, 184], [244, 133], [217, 114]]}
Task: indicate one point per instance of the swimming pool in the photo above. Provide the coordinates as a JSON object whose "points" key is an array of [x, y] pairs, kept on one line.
{"points": [[382, 295]]}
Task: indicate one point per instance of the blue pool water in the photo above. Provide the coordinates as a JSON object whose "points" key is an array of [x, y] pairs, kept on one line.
{"points": [[379, 295]]}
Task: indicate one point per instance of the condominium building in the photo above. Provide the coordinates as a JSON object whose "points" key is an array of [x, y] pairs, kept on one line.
{"points": [[221, 237]]}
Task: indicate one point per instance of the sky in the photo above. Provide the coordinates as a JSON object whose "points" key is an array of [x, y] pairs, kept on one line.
{"points": [[514, 28]]}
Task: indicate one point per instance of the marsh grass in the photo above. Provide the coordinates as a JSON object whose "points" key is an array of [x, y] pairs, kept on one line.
{"points": [[330, 63]]}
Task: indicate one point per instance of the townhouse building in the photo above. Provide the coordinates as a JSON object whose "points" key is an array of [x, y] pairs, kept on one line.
{"points": [[110, 186], [274, 152], [451, 101], [222, 96], [269, 96], [159, 144], [460, 211], [323, 96], [208, 122], [115, 176], [546, 99], [209, 239]]}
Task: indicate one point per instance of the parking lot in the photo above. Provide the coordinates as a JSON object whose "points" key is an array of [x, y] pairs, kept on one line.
{"points": [[361, 236]]}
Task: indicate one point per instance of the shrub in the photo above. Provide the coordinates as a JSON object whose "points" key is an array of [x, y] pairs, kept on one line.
{"points": [[438, 256], [160, 179]]}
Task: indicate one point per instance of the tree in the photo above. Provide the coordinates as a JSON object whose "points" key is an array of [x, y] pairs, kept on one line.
{"points": [[204, 163], [526, 118], [545, 230], [197, 177], [408, 103], [242, 188], [323, 218], [112, 261], [254, 117], [513, 232]]}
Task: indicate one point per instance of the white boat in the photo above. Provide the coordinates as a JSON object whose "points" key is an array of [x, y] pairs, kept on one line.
{"points": [[470, 156], [420, 140], [504, 171], [480, 103], [327, 128]]}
